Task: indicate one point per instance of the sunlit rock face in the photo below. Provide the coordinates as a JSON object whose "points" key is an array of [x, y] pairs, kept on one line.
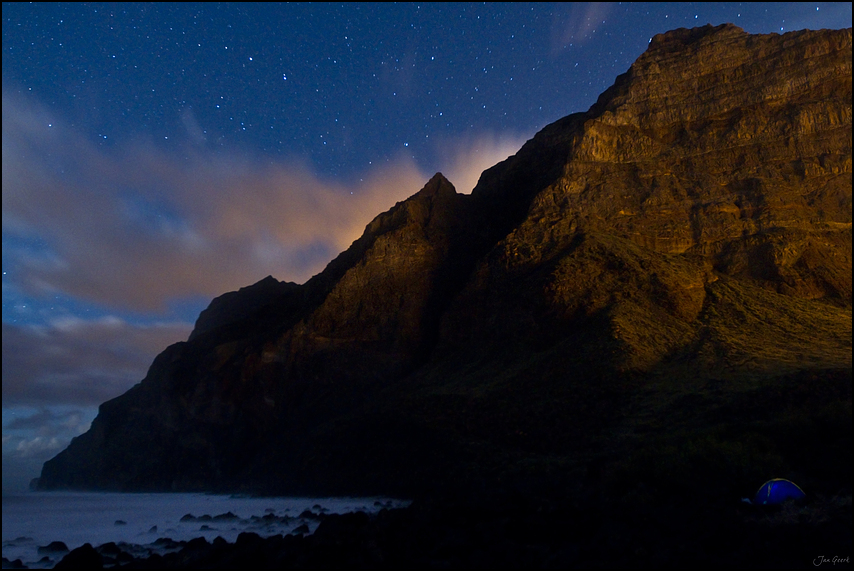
{"points": [[713, 136], [731, 150], [715, 142], [691, 230], [378, 316]]}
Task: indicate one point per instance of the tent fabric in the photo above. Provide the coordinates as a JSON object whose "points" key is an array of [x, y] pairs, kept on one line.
{"points": [[777, 491]]}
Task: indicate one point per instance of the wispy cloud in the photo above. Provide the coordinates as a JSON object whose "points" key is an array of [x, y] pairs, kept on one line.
{"points": [[77, 362], [46, 421], [33, 435], [577, 22], [39, 445], [467, 158], [134, 227]]}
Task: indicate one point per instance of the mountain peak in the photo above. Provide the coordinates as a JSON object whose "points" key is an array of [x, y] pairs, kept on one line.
{"points": [[649, 250], [437, 184], [681, 37], [234, 306]]}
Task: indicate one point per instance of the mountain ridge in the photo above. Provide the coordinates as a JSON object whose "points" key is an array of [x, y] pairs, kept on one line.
{"points": [[682, 239]]}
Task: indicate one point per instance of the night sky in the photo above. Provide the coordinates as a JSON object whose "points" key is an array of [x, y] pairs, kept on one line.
{"points": [[158, 155]]}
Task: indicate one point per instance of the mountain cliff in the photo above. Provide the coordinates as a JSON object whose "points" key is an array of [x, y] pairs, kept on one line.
{"points": [[667, 275]]}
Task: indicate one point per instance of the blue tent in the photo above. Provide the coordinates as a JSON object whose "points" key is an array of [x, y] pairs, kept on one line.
{"points": [[777, 491]]}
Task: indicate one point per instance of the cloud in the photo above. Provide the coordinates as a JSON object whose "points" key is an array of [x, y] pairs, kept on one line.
{"points": [[77, 362], [468, 158], [133, 227], [47, 422], [33, 435], [38, 446], [195, 133], [577, 22]]}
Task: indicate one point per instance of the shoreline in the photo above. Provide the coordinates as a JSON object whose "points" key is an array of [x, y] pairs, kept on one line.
{"points": [[34, 521], [507, 529]]}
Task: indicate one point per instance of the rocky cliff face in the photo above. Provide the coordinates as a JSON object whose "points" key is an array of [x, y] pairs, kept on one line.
{"points": [[717, 154], [653, 264]]}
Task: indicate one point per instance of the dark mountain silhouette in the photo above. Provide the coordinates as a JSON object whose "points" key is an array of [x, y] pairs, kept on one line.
{"points": [[648, 297]]}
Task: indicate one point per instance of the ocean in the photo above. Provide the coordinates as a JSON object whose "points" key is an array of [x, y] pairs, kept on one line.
{"points": [[35, 519]]}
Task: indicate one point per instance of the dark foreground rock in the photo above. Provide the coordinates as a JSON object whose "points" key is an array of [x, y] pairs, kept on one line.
{"points": [[84, 557], [517, 530], [53, 547]]}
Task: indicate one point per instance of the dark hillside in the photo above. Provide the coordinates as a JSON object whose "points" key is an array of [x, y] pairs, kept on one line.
{"points": [[649, 297]]}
